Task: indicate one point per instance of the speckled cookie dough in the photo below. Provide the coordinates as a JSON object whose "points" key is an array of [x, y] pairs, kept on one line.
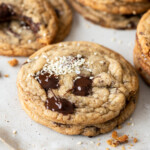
{"points": [[24, 28], [78, 84], [106, 19], [64, 15], [117, 6]]}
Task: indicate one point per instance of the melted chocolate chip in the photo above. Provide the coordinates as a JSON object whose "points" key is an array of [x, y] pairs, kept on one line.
{"points": [[7, 14], [60, 105], [82, 86], [48, 82], [29, 23]]}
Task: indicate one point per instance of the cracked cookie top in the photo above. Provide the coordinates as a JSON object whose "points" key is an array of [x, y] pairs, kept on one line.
{"points": [[77, 83]]}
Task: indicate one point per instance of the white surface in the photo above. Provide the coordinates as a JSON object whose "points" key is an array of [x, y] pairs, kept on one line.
{"points": [[33, 136]]}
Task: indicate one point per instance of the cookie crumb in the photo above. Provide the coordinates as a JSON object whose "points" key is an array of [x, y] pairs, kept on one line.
{"points": [[107, 148], [79, 143], [123, 148], [131, 119], [120, 41], [91, 142], [117, 140], [129, 123], [113, 39], [135, 140], [6, 75], [13, 62], [98, 144], [14, 132], [132, 124]]}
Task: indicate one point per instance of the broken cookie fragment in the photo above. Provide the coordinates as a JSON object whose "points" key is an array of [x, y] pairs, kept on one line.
{"points": [[14, 62], [117, 140]]}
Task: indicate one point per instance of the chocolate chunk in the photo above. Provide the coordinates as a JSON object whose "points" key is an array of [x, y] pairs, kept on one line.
{"points": [[140, 69], [29, 23], [57, 12], [48, 82], [141, 33], [82, 86], [60, 105]]}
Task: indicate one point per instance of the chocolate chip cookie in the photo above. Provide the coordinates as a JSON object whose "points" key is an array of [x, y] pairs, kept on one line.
{"points": [[64, 15], [142, 48], [78, 88], [117, 6], [106, 19], [26, 26]]}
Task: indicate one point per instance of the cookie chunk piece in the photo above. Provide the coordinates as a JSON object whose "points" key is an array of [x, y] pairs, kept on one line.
{"points": [[142, 48], [24, 28], [106, 19], [77, 85]]}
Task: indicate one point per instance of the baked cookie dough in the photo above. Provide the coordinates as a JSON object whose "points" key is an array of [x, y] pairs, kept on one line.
{"points": [[117, 7], [24, 28], [106, 19], [64, 15], [77, 85], [142, 47]]}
